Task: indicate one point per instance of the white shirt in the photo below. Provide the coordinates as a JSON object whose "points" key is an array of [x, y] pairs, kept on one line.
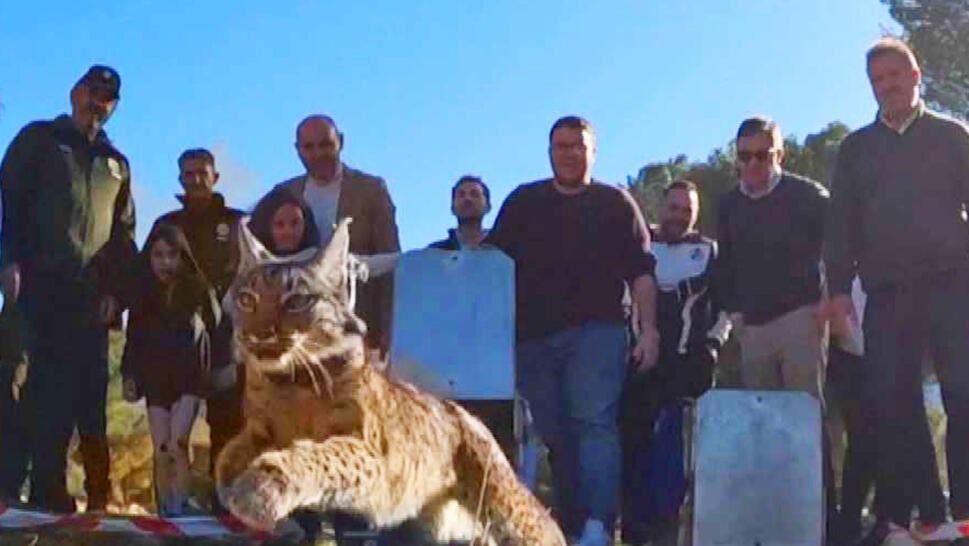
{"points": [[323, 199], [772, 182], [919, 110]]}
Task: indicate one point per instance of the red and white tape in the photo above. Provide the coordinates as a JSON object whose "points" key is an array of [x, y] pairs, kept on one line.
{"points": [[194, 526], [946, 531]]}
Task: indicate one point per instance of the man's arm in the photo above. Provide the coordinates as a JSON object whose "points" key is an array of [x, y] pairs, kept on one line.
{"points": [[385, 240], [842, 238], [121, 256], [641, 269], [15, 194], [646, 352], [384, 222], [723, 274], [719, 330]]}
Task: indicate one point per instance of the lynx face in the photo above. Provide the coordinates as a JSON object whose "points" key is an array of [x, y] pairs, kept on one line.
{"points": [[292, 312]]}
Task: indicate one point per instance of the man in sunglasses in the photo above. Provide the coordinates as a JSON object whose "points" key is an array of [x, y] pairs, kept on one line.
{"points": [[67, 242], [898, 220], [769, 276], [769, 279]]}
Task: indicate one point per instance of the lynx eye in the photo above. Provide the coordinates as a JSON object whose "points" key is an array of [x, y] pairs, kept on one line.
{"points": [[247, 301], [299, 302]]}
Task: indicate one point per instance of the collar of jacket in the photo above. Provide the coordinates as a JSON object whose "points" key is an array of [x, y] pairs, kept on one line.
{"points": [[215, 204], [64, 125]]}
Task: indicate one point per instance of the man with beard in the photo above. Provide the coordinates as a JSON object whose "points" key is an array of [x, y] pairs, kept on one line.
{"points": [[67, 245], [470, 202], [690, 337], [577, 244]]}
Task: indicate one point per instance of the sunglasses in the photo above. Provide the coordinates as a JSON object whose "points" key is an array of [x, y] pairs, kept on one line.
{"points": [[745, 156]]}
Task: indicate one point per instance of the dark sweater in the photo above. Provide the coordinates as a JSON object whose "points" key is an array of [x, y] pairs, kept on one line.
{"points": [[897, 204], [770, 249], [572, 253]]}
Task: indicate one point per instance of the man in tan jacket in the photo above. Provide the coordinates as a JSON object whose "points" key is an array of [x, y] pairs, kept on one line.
{"points": [[335, 191]]}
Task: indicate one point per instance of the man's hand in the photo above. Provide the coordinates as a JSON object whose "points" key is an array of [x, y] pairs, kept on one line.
{"points": [[19, 379], [840, 309], [10, 282], [646, 351], [108, 310]]}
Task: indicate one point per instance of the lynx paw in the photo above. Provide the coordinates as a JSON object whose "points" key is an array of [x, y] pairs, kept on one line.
{"points": [[262, 495]]}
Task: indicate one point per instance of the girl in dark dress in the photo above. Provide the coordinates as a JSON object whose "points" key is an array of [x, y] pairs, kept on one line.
{"points": [[167, 354]]}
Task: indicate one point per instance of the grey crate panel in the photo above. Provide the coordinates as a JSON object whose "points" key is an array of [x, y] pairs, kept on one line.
{"points": [[454, 323], [758, 477]]}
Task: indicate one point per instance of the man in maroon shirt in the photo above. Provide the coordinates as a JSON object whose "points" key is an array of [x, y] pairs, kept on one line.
{"points": [[577, 243]]}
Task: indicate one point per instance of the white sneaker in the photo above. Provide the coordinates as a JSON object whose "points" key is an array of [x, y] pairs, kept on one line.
{"points": [[594, 534]]}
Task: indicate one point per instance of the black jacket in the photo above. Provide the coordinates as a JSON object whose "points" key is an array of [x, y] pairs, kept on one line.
{"points": [[68, 213]]}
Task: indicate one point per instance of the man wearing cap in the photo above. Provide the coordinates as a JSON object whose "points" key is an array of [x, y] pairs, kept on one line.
{"points": [[67, 242]]}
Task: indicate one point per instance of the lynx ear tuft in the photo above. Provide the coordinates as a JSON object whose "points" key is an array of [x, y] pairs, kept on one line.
{"points": [[251, 251], [331, 261]]}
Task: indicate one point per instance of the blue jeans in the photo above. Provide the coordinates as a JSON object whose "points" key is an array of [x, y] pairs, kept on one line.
{"points": [[572, 380]]}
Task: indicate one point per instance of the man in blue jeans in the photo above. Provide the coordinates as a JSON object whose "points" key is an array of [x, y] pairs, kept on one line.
{"points": [[577, 243], [901, 186]]}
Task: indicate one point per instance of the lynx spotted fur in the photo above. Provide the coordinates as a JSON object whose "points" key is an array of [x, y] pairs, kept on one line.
{"points": [[327, 430]]}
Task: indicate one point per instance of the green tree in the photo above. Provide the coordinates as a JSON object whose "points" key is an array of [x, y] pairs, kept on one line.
{"points": [[647, 187], [813, 158], [938, 30]]}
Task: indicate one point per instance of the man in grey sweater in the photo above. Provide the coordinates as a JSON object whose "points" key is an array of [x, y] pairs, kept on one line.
{"points": [[897, 219]]}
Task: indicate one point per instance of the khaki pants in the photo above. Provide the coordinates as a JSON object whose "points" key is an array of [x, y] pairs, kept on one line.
{"points": [[787, 353]]}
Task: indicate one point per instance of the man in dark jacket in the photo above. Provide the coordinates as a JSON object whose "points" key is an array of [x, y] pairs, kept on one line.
{"points": [[67, 244], [470, 202], [901, 187], [212, 231]]}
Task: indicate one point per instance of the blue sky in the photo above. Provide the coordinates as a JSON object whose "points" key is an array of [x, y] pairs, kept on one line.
{"points": [[427, 91]]}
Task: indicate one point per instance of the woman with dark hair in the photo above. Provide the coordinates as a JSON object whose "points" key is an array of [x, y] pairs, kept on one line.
{"points": [[284, 223], [167, 354]]}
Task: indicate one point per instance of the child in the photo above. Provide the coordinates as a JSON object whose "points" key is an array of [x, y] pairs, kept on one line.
{"points": [[284, 223], [166, 357]]}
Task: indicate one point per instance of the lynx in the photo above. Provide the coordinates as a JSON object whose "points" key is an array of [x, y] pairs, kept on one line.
{"points": [[326, 430]]}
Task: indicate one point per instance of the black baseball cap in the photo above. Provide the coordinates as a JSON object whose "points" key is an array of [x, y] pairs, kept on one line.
{"points": [[103, 81]]}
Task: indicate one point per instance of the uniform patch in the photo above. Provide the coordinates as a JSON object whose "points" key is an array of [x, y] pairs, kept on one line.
{"points": [[222, 232], [114, 167]]}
